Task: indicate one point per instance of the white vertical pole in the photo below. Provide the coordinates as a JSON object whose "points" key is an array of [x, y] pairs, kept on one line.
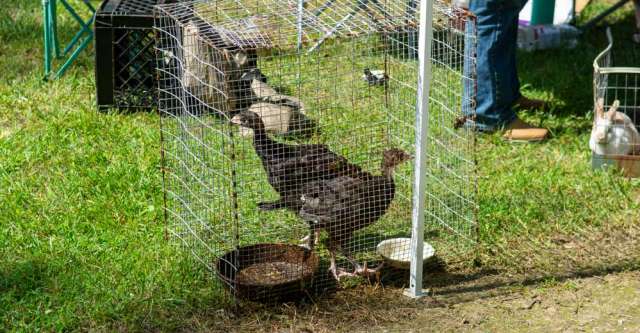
{"points": [[299, 23], [422, 128]]}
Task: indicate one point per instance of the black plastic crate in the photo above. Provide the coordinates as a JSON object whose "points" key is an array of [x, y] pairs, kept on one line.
{"points": [[125, 55]]}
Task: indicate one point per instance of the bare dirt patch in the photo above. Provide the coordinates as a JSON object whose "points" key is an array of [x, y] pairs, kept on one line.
{"points": [[609, 303]]}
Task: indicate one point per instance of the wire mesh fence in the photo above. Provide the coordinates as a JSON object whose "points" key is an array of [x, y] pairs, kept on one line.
{"points": [[615, 140], [288, 131]]}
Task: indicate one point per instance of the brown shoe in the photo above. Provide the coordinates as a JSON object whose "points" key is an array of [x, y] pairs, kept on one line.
{"points": [[519, 131], [524, 103]]}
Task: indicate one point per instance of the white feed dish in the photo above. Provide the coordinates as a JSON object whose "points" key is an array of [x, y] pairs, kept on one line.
{"points": [[397, 252]]}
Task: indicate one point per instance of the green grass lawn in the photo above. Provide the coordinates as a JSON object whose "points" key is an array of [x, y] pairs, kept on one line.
{"points": [[82, 242]]}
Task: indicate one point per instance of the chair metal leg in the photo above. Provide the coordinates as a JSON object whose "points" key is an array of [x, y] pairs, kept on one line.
{"points": [[47, 46], [52, 46], [54, 28], [86, 26], [72, 57]]}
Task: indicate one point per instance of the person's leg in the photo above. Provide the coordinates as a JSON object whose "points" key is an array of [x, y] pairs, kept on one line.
{"points": [[497, 78], [511, 46]]}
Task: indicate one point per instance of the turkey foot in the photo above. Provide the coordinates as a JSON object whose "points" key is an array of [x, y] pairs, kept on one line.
{"points": [[363, 270], [267, 206], [338, 273], [360, 270]]}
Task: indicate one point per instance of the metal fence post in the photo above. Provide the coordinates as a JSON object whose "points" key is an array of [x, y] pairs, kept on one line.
{"points": [[422, 128]]}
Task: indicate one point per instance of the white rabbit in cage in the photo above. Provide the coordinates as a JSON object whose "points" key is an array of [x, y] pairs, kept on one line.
{"points": [[614, 133]]}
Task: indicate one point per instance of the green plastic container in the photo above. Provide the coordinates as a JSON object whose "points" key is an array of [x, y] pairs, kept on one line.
{"points": [[542, 11]]}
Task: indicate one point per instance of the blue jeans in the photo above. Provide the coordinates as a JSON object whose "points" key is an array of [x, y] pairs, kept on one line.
{"points": [[497, 76]]}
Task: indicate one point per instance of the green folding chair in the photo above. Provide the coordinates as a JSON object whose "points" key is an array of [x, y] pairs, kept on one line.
{"points": [[52, 46]]}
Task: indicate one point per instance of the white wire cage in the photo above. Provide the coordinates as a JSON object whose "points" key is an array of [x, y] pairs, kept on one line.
{"points": [[287, 129], [616, 92]]}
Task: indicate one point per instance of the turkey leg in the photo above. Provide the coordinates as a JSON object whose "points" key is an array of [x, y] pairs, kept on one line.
{"points": [[337, 272], [361, 270]]}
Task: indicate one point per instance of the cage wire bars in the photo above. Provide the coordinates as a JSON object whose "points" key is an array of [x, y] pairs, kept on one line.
{"points": [[287, 130]]}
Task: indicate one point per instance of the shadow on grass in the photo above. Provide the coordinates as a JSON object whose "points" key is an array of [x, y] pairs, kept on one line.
{"points": [[454, 288], [23, 278]]}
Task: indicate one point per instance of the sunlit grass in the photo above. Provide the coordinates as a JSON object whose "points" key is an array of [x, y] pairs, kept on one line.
{"points": [[81, 222]]}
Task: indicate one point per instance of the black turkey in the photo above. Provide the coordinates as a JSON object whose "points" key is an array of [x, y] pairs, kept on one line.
{"points": [[290, 167], [345, 204]]}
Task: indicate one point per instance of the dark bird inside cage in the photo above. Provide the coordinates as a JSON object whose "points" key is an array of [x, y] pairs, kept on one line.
{"points": [[345, 204], [279, 118], [253, 74], [375, 77], [261, 91], [290, 167], [280, 114]]}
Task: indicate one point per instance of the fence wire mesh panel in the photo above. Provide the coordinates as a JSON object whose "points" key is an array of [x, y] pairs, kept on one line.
{"points": [[615, 140], [288, 132], [451, 164]]}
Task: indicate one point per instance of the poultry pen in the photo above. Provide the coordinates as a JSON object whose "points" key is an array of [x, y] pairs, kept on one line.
{"points": [[288, 135], [615, 141]]}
